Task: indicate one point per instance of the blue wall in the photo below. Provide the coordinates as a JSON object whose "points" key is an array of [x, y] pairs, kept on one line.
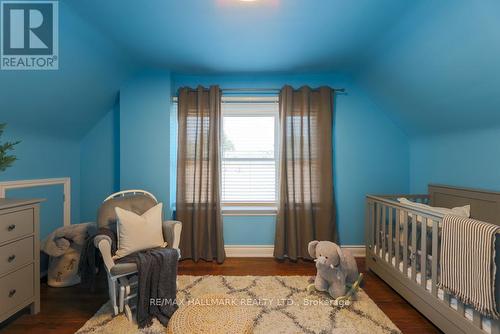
{"points": [[470, 159], [438, 70], [51, 111], [70, 100], [130, 148], [435, 81], [51, 210], [45, 156], [64, 120], [145, 102], [99, 164], [371, 154], [250, 230]]}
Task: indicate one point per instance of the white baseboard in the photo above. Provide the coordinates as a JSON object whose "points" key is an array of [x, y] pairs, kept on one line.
{"points": [[267, 250], [249, 250], [356, 250]]}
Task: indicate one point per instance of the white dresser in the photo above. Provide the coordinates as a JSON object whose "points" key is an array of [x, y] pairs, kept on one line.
{"points": [[19, 256]]}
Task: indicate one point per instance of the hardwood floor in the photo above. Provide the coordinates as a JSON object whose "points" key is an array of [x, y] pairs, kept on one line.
{"points": [[65, 310]]}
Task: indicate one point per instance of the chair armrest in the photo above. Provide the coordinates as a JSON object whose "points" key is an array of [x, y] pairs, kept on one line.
{"points": [[103, 242], [172, 233]]}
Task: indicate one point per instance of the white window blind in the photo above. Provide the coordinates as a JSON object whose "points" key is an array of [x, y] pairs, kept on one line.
{"points": [[249, 152]]}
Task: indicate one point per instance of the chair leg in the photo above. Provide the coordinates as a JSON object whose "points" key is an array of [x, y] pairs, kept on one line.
{"points": [[128, 292], [124, 292], [121, 298], [112, 294], [128, 313]]}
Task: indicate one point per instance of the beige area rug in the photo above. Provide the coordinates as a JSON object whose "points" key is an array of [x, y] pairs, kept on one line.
{"points": [[277, 304]]}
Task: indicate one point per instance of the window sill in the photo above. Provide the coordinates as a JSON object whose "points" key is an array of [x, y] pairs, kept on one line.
{"points": [[245, 210]]}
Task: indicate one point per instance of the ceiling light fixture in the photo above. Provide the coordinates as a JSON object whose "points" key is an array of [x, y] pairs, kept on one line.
{"points": [[248, 3]]}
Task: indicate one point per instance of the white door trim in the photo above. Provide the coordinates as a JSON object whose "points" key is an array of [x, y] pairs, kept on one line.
{"points": [[267, 250], [65, 181]]}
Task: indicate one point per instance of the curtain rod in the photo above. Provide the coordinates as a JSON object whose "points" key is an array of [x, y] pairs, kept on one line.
{"points": [[340, 90], [249, 90]]}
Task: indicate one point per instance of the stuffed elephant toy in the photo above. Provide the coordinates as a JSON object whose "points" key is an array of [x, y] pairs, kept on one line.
{"points": [[335, 267]]}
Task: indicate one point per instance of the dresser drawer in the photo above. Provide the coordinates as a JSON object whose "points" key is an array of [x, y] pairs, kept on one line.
{"points": [[16, 224], [16, 254], [16, 288]]}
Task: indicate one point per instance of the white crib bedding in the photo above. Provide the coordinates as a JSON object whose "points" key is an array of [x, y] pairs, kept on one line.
{"points": [[419, 251], [419, 220], [486, 323], [409, 230], [462, 211]]}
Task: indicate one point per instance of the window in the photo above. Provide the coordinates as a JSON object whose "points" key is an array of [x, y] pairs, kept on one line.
{"points": [[249, 152]]}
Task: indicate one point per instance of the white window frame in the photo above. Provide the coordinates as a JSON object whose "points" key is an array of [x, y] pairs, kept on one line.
{"points": [[240, 104]]}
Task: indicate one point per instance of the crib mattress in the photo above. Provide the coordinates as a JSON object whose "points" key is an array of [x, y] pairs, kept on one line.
{"points": [[486, 323]]}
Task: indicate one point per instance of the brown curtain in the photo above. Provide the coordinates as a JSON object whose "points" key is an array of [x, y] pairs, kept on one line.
{"points": [[198, 170], [307, 205]]}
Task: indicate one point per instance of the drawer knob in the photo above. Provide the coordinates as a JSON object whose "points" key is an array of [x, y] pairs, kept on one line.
{"points": [[12, 293], [11, 258], [11, 227]]}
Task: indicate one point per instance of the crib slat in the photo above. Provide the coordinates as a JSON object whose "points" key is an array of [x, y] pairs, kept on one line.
{"points": [[372, 225], [435, 231], [476, 318], [384, 234], [368, 225], [414, 223], [423, 253], [397, 244], [390, 234], [377, 228], [405, 243]]}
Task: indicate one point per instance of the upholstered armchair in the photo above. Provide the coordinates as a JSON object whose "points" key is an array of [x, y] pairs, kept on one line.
{"points": [[122, 277]]}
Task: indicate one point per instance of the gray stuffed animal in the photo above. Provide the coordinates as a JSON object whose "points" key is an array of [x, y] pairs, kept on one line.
{"points": [[64, 247], [335, 267]]}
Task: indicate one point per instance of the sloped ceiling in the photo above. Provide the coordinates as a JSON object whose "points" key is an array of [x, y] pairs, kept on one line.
{"points": [[432, 65], [219, 36], [438, 70], [68, 101]]}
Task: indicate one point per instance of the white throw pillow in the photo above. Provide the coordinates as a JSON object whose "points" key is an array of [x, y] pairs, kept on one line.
{"points": [[136, 232], [462, 211]]}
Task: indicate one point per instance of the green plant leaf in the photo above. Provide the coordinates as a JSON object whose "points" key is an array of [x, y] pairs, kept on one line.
{"points": [[6, 159]]}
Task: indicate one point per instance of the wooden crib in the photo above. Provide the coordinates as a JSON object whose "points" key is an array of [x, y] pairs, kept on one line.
{"points": [[403, 248]]}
